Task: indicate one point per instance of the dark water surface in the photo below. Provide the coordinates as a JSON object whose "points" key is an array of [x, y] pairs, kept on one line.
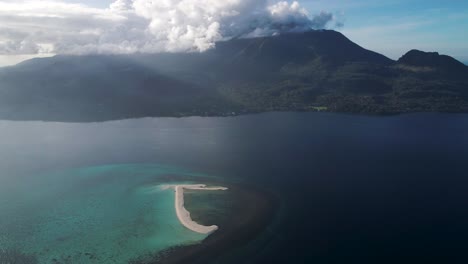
{"points": [[354, 189]]}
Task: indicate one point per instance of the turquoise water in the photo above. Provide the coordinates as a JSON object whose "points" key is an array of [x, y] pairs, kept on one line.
{"points": [[103, 214]]}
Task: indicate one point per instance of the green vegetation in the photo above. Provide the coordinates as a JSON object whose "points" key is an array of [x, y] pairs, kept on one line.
{"points": [[312, 71]]}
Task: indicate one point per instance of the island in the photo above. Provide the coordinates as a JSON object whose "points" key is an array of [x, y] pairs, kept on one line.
{"points": [[317, 70], [249, 212], [183, 214]]}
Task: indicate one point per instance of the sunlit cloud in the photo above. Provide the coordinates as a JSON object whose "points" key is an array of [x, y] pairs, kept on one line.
{"points": [[129, 26]]}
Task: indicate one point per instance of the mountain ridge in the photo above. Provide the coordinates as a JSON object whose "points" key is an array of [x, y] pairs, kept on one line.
{"points": [[318, 70]]}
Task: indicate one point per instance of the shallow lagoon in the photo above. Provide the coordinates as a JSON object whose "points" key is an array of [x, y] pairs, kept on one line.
{"points": [[105, 214]]}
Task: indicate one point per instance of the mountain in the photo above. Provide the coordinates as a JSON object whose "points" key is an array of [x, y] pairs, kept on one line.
{"points": [[433, 61], [89, 88], [312, 71]]}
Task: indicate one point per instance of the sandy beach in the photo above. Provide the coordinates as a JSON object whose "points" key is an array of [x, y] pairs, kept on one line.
{"points": [[249, 215], [184, 215]]}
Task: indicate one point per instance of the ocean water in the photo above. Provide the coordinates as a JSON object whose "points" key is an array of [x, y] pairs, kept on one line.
{"points": [[353, 189], [100, 214]]}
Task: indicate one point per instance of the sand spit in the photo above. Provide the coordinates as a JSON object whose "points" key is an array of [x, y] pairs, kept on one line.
{"points": [[183, 214]]}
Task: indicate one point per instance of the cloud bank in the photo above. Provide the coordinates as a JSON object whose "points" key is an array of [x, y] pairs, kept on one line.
{"points": [[130, 26]]}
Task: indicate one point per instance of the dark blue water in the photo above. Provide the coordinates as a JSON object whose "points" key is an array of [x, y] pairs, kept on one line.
{"points": [[354, 189]]}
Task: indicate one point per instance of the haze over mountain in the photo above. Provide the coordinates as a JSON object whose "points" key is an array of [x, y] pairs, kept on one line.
{"points": [[309, 71]]}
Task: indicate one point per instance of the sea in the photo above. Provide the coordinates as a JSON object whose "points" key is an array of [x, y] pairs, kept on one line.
{"points": [[352, 188]]}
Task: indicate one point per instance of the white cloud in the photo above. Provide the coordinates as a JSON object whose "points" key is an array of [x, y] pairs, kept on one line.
{"points": [[128, 26]]}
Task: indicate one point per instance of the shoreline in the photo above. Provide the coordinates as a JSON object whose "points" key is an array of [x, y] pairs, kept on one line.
{"points": [[184, 215], [240, 114]]}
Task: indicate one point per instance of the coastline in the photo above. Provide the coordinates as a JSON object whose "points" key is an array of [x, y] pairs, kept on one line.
{"points": [[184, 215], [237, 114]]}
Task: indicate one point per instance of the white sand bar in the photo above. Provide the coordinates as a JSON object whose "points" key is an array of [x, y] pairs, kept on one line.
{"points": [[183, 214]]}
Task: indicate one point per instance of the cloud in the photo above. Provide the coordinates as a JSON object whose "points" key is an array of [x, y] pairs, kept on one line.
{"points": [[129, 26]]}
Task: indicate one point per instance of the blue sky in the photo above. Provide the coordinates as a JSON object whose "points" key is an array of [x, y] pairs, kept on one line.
{"points": [[393, 27], [390, 27]]}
